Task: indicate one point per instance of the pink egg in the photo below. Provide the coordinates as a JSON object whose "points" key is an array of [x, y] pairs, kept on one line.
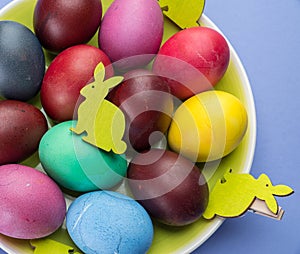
{"points": [[131, 32], [32, 205]]}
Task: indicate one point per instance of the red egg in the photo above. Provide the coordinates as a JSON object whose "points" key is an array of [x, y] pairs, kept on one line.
{"points": [[70, 71], [193, 60]]}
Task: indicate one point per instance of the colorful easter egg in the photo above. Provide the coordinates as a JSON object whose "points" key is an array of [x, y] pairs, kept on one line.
{"points": [[109, 222], [208, 126], [78, 165], [32, 205]]}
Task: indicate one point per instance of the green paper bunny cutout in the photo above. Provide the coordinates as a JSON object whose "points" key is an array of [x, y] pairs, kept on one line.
{"points": [[183, 13], [101, 120], [42, 246], [234, 193]]}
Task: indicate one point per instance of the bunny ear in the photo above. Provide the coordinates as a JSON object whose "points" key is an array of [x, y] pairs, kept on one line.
{"points": [[99, 72], [112, 82], [282, 190]]}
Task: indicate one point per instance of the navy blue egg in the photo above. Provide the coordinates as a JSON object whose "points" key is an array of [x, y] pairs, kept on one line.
{"points": [[22, 62]]}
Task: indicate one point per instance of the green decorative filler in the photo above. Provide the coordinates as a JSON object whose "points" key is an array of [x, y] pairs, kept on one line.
{"points": [[235, 193], [101, 120], [185, 14]]}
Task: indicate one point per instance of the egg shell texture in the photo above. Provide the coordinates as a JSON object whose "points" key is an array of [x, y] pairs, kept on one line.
{"points": [[67, 74], [208, 126], [22, 62], [144, 98], [130, 28], [170, 187], [109, 222], [76, 164], [32, 205], [21, 128], [203, 48], [60, 24]]}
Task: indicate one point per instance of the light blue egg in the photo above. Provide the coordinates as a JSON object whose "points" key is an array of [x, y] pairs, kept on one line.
{"points": [[77, 165], [108, 222]]}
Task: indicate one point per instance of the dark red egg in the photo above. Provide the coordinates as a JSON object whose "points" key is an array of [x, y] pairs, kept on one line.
{"points": [[170, 187], [63, 23], [147, 104], [21, 128]]}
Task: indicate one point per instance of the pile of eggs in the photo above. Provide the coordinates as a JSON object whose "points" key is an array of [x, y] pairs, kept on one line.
{"points": [[168, 88]]}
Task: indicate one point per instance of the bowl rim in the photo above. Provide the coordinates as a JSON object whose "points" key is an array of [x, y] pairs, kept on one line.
{"points": [[249, 101]]}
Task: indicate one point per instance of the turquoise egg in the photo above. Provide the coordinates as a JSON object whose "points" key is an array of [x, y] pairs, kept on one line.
{"points": [[77, 165]]}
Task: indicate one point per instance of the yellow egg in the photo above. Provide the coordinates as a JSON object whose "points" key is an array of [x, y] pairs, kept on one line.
{"points": [[208, 126]]}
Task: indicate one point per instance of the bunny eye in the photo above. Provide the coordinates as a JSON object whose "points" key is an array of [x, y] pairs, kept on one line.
{"points": [[267, 185], [93, 86]]}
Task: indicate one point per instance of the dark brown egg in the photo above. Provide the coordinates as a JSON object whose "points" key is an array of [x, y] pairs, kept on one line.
{"points": [[21, 128]]}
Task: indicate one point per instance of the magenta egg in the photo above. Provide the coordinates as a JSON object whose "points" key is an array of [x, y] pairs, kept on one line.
{"points": [[131, 32], [32, 205]]}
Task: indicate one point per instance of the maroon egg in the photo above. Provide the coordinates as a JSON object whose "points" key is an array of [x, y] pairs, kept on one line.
{"points": [[21, 128], [70, 71], [147, 104], [169, 186], [63, 23]]}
